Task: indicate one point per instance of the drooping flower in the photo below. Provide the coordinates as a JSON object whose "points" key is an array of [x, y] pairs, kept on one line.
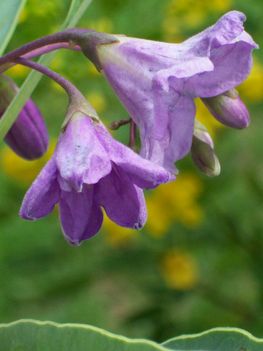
{"points": [[28, 136], [90, 171], [157, 82]]}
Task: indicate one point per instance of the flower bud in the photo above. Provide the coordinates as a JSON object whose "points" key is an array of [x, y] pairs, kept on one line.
{"points": [[200, 132], [228, 109], [28, 136], [202, 152]]}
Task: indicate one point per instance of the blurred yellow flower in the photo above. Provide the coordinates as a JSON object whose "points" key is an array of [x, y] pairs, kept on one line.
{"points": [[23, 15], [220, 5], [57, 62], [194, 19], [176, 201], [20, 170], [103, 24], [182, 15], [117, 236], [158, 220], [57, 87], [176, 7], [97, 100], [252, 88], [43, 9], [172, 30], [179, 270], [18, 71]]}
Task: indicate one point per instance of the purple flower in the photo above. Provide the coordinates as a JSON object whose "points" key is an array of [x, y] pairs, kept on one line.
{"points": [[28, 136], [90, 171], [157, 82]]}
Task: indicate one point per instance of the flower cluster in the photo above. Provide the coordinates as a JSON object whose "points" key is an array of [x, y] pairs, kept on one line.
{"points": [[157, 83]]}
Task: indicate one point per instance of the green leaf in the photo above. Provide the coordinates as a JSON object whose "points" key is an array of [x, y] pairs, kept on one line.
{"points": [[76, 10], [217, 339], [33, 335], [9, 13], [28, 335]]}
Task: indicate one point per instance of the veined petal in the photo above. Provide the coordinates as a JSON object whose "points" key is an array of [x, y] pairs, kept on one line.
{"points": [[81, 217], [144, 173], [80, 157], [171, 137], [229, 48], [43, 194], [182, 127], [122, 200], [130, 78], [232, 64]]}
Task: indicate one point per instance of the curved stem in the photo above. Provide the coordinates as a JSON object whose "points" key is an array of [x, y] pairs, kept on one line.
{"points": [[77, 101], [51, 47], [68, 36], [41, 51], [71, 90]]}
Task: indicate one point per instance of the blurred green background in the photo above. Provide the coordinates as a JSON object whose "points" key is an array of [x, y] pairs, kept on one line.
{"points": [[198, 263]]}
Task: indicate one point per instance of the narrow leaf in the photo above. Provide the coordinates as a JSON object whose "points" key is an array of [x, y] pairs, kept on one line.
{"points": [[9, 13], [76, 10]]}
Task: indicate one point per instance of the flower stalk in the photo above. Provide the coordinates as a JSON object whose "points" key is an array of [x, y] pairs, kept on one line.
{"points": [[76, 100], [41, 51], [64, 38], [121, 122], [85, 38]]}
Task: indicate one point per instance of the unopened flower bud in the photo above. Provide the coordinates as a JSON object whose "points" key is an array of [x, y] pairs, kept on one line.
{"points": [[202, 152], [228, 109], [28, 136], [200, 132]]}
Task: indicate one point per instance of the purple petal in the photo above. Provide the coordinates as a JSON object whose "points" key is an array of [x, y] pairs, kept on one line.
{"points": [[143, 173], [131, 78], [80, 156], [43, 194], [123, 201], [230, 51], [81, 217], [232, 64], [213, 61], [171, 138], [181, 126]]}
